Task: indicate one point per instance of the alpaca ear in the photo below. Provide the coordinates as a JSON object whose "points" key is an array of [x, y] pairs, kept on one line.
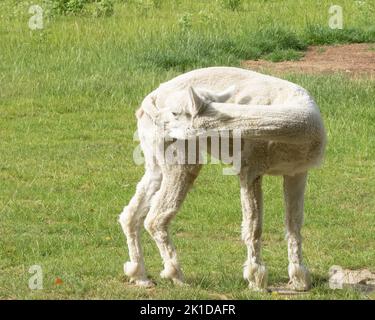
{"points": [[225, 95], [149, 106], [220, 97], [198, 103]]}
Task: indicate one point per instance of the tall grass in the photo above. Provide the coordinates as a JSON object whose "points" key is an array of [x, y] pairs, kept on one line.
{"points": [[214, 34]]}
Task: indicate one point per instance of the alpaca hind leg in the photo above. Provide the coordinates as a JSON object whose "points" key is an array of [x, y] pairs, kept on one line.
{"points": [[131, 220], [252, 208], [177, 181], [294, 190]]}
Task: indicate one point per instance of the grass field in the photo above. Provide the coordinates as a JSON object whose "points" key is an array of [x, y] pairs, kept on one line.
{"points": [[67, 99]]}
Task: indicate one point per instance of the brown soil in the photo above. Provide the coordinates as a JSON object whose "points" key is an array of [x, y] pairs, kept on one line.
{"points": [[352, 59]]}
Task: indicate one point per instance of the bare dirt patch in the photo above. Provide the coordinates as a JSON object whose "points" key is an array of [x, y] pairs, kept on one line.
{"points": [[352, 59]]}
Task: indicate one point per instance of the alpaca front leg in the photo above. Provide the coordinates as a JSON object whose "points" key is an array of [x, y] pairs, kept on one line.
{"points": [[294, 190], [252, 202], [131, 220], [176, 183]]}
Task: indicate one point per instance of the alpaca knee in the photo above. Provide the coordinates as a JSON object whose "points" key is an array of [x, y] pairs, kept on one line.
{"points": [[157, 230], [128, 221], [300, 279], [156, 225], [150, 225], [123, 219]]}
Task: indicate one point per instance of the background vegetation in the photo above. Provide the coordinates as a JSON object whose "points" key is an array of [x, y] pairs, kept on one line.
{"points": [[67, 99]]}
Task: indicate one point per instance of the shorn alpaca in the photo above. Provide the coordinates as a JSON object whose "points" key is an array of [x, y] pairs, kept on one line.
{"points": [[281, 134]]}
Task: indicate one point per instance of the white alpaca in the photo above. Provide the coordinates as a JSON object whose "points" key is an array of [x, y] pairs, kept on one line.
{"points": [[282, 134]]}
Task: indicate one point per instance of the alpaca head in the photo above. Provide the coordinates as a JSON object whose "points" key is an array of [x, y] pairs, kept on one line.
{"points": [[183, 108]]}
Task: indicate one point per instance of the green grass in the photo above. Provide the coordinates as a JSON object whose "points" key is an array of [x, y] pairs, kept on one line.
{"points": [[67, 99]]}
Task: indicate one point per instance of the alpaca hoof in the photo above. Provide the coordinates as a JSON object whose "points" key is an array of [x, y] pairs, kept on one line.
{"points": [[144, 283], [137, 275], [256, 274], [179, 282], [176, 280], [300, 279], [173, 273]]}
